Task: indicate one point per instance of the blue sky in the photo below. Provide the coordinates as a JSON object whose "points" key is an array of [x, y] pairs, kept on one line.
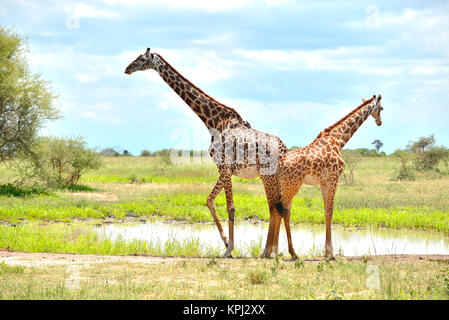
{"points": [[291, 68]]}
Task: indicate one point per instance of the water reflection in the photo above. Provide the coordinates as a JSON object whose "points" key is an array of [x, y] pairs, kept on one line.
{"points": [[307, 239]]}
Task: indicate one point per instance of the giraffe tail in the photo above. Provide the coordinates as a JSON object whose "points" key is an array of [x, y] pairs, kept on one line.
{"points": [[281, 210]]}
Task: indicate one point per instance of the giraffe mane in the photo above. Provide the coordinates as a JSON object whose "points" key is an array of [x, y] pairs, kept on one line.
{"points": [[328, 129], [239, 117]]}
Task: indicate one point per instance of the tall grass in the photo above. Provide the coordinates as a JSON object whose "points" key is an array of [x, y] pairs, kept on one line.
{"points": [[83, 239], [373, 200]]}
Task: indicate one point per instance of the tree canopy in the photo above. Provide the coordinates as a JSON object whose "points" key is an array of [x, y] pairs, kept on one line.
{"points": [[26, 101]]}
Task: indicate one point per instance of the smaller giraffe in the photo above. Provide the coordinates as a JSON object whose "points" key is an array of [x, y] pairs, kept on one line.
{"points": [[318, 163]]}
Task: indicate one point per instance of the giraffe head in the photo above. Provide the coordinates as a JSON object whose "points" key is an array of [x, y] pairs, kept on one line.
{"points": [[376, 109], [143, 62]]}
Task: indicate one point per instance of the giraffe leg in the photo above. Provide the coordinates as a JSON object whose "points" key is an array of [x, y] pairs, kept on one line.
{"points": [[276, 227], [328, 193], [227, 185], [284, 209], [291, 250], [270, 237], [210, 204], [273, 195]]}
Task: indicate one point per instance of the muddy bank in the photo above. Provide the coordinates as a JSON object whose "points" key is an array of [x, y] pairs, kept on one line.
{"points": [[47, 259]]}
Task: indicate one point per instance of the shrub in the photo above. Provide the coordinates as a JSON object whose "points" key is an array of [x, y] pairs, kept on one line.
{"points": [[59, 161], [430, 159], [145, 153], [405, 170], [352, 159], [427, 155]]}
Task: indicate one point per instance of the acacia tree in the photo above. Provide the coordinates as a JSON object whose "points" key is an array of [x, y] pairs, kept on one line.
{"points": [[377, 144], [427, 155], [26, 101]]}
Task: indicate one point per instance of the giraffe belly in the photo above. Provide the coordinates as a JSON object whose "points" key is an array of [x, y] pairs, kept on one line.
{"points": [[249, 172], [311, 180]]}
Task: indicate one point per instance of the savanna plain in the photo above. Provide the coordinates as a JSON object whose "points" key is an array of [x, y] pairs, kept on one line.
{"points": [[49, 248]]}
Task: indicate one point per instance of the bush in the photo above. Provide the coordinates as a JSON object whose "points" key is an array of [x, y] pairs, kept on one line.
{"points": [[405, 171], [430, 159], [352, 159], [145, 153], [109, 152], [365, 152], [427, 155], [59, 161]]}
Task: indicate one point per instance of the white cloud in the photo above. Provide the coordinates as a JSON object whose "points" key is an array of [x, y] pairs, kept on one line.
{"points": [[102, 112], [266, 115], [206, 5], [198, 66], [431, 67], [427, 30], [363, 60], [224, 38], [83, 67], [84, 10]]}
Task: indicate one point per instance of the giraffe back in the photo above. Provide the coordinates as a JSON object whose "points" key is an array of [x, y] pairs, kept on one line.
{"points": [[248, 152]]}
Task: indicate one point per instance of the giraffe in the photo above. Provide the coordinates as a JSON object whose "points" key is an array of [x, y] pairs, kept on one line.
{"points": [[319, 163], [236, 148]]}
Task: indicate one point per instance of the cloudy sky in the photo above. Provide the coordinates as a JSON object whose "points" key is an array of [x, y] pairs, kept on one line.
{"points": [[291, 68]]}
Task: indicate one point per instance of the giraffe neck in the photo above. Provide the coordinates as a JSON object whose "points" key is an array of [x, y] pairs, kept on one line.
{"points": [[344, 129], [211, 112]]}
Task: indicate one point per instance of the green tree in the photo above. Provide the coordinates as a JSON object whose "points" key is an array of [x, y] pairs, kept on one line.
{"points": [[26, 102], [377, 144], [145, 153], [405, 171], [422, 145], [427, 155], [60, 161]]}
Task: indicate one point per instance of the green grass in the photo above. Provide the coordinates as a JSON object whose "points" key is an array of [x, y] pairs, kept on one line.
{"points": [[180, 192], [11, 190], [375, 200], [82, 239], [226, 279], [190, 205]]}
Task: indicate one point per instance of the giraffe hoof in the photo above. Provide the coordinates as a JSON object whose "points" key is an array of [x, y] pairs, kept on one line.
{"points": [[329, 257]]}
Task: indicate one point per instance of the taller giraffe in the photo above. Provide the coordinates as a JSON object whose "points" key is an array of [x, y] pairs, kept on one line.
{"points": [[236, 148], [319, 163]]}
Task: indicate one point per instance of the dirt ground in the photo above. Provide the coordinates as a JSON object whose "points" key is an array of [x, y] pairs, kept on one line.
{"points": [[46, 259]]}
